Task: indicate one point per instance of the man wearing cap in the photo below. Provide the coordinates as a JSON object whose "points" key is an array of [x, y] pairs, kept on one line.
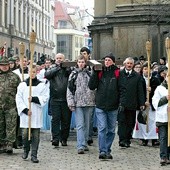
{"points": [[106, 84], [9, 82], [142, 59], [12, 64]]}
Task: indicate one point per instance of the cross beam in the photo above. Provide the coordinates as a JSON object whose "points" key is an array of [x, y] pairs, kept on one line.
{"points": [[96, 64]]}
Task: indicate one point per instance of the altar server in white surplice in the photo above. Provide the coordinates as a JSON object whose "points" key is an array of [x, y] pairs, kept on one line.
{"points": [[39, 97]]}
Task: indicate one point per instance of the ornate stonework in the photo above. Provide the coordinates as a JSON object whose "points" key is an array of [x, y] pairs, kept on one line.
{"points": [[123, 27]]}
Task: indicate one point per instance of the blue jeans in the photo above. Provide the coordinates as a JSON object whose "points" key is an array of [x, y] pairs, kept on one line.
{"points": [[163, 138], [106, 122], [83, 117], [91, 124]]}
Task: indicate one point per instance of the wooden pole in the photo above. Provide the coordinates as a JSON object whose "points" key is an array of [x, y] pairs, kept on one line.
{"points": [[32, 46], [148, 51], [167, 45], [22, 51]]}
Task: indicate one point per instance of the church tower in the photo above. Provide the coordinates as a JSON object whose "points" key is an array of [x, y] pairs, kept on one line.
{"points": [[124, 26]]}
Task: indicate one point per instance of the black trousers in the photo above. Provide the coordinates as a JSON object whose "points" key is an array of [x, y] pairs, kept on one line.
{"points": [[61, 118], [126, 123], [34, 142]]}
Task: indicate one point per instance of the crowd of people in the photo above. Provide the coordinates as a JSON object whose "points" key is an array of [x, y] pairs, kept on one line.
{"points": [[31, 97]]}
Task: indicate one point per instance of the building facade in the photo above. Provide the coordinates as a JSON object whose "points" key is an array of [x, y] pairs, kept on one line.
{"points": [[124, 26], [19, 17], [70, 31]]}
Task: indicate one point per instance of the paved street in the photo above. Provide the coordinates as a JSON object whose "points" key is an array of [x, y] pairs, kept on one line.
{"points": [[66, 158]]}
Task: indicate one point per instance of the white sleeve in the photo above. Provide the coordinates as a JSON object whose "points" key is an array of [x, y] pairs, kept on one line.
{"points": [[44, 94], [156, 97], [21, 105]]}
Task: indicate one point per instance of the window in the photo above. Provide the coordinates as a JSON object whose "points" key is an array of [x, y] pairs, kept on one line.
{"points": [[19, 19], [64, 45], [24, 28], [15, 16], [0, 15], [62, 24]]}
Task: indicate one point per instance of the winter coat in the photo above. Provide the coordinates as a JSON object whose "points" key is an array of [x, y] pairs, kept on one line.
{"points": [[83, 95], [58, 78], [131, 90], [107, 92]]}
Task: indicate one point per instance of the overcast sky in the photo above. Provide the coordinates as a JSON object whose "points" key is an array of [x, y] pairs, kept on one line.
{"points": [[82, 3]]}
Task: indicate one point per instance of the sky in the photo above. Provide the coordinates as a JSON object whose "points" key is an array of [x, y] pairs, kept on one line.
{"points": [[84, 4], [87, 4]]}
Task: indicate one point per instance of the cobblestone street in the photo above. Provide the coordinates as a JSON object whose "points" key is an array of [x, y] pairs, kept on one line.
{"points": [[66, 158]]}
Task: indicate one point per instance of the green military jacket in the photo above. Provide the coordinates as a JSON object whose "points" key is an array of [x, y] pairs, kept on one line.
{"points": [[9, 82]]}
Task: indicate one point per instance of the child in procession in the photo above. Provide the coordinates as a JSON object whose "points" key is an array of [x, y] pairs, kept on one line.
{"points": [[39, 97], [160, 103]]}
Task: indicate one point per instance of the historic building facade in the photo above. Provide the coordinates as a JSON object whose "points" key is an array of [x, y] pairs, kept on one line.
{"points": [[19, 17], [124, 26], [70, 29]]}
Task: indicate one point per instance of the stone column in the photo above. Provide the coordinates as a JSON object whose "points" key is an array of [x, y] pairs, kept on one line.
{"points": [[96, 46], [99, 8], [124, 2], [110, 6]]}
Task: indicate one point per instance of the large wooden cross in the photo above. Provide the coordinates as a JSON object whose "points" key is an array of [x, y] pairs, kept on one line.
{"points": [[96, 64]]}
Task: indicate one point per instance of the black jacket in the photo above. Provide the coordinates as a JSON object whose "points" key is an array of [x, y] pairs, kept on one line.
{"points": [[154, 82], [131, 90], [107, 95], [58, 78]]}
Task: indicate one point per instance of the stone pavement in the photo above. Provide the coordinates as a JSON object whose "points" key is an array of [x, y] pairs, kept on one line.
{"points": [[66, 158]]}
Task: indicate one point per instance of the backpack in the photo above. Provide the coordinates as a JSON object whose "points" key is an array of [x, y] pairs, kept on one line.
{"points": [[71, 82], [116, 73]]}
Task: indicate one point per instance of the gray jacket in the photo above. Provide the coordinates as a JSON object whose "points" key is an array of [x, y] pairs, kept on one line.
{"points": [[83, 95]]}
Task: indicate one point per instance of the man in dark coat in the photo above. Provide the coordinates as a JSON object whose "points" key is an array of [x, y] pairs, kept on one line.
{"points": [[107, 100], [131, 94], [61, 115]]}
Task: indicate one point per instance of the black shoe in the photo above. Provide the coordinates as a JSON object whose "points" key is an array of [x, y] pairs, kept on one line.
{"points": [[122, 144], [144, 142], [64, 143], [109, 156], [155, 143], [2, 149], [34, 159], [80, 151], [102, 156], [9, 148], [25, 155], [86, 148], [127, 145], [55, 143], [89, 142], [163, 162]]}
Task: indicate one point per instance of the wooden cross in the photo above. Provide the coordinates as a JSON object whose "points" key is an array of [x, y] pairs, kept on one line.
{"points": [[96, 64]]}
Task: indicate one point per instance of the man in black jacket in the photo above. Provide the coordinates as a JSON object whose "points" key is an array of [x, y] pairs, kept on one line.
{"points": [[61, 115], [107, 100], [131, 94]]}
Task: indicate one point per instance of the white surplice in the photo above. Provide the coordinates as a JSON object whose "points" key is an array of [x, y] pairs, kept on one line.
{"points": [[42, 92]]}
